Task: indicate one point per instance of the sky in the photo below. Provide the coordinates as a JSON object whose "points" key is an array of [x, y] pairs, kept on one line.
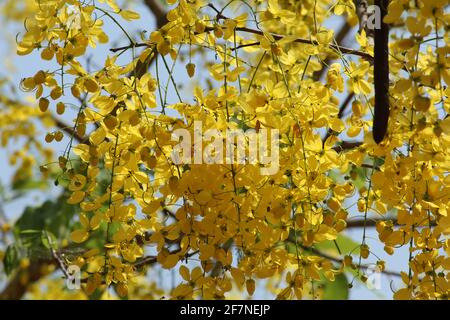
{"points": [[18, 67]]}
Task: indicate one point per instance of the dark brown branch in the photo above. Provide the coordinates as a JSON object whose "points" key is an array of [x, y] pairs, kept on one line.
{"points": [[333, 46], [245, 45], [347, 145], [341, 261], [369, 166], [373, 223], [161, 20], [337, 48], [16, 288], [153, 259], [135, 45], [69, 130], [343, 32], [60, 124], [158, 11], [342, 108], [341, 35], [381, 76]]}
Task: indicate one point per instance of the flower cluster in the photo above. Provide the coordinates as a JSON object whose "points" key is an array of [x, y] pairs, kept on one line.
{"points": [[265, 64]]}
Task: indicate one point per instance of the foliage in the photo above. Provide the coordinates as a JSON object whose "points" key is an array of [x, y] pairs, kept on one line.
{"points": [[227, 228]]}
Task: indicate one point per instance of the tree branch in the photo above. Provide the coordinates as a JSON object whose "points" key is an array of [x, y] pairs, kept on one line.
{"points": [[69, 130], [340, 113], [343, 32], [16, 288], [333, 46], [134, 45], [158, 11], [341, 261], [381, 76], [347, 145], [373, 223], [161, 20]]}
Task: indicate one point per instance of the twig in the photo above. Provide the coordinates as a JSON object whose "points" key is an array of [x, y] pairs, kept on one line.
{"points": [[69, 130], [57, 257], [335, 47], [341, 261], [135, 45], [340, 113], [347, 145], [161, 19], [343, 32], [373, 223]]}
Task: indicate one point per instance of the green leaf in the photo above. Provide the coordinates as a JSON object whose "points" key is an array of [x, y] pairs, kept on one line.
{"points": [[39, 227], [54, 216], [48, 239], [360, 174], [11, 259], [336, 176], [29, 184], [30, 238], [337, 289]]}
